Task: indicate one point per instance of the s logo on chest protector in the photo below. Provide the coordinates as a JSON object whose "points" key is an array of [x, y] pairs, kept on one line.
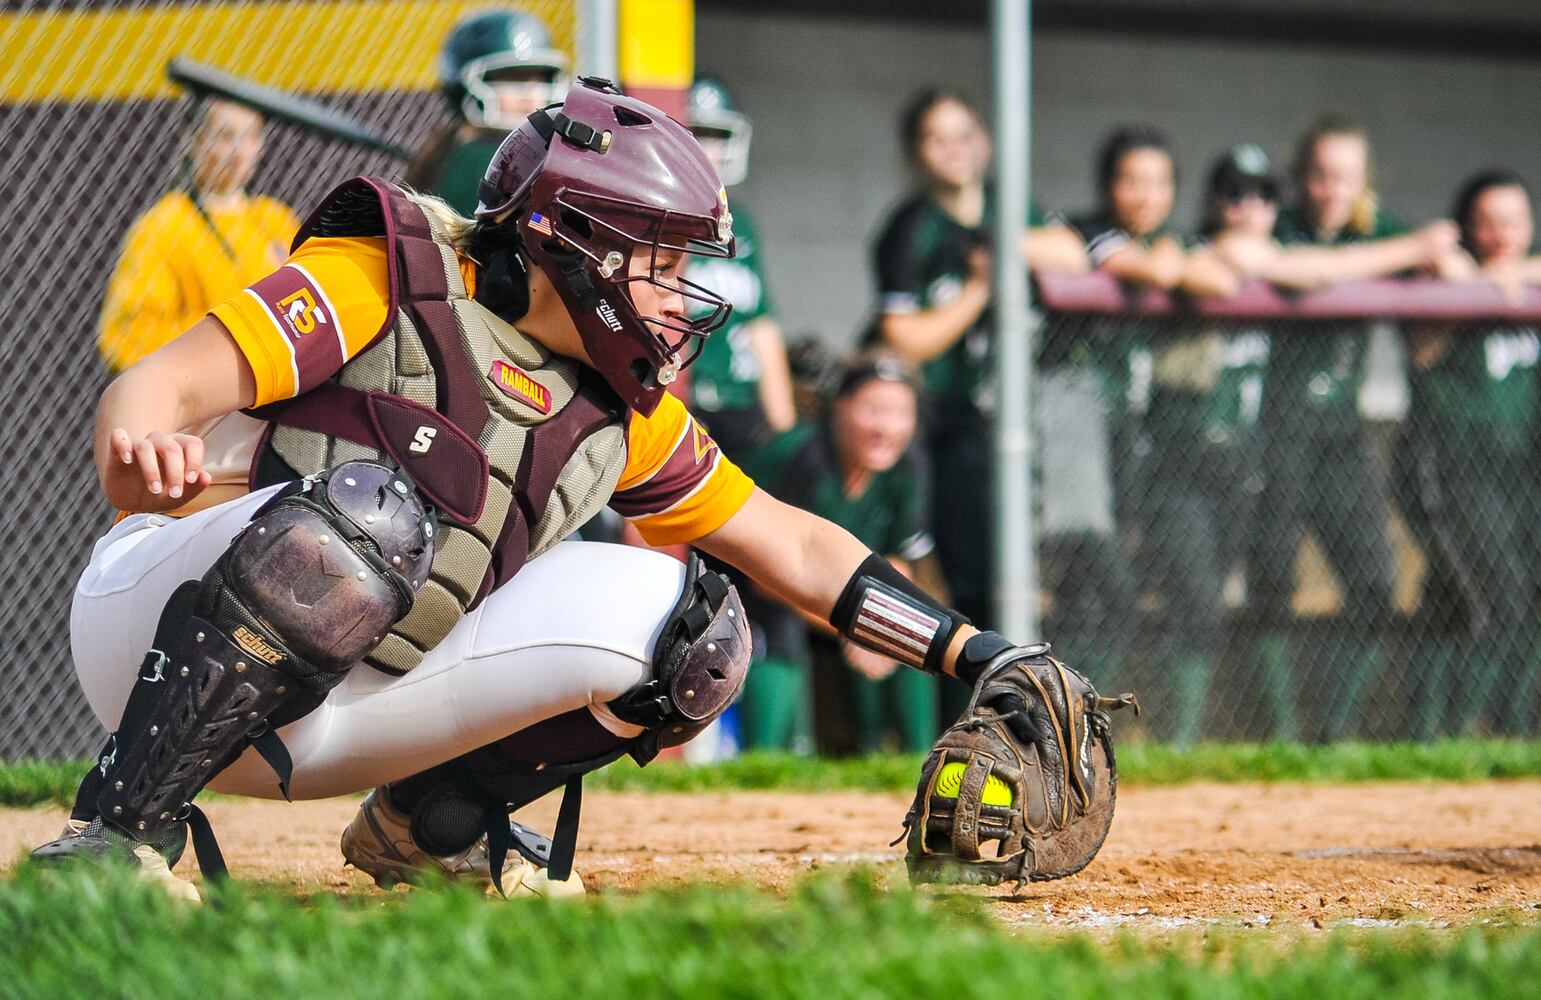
{"points": [[422, 440], [517, 384]]}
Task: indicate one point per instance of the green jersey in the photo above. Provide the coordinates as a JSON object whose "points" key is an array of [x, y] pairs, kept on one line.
{"points": [[801, 468], [1120, 349], [1209, 385], [1486, 385], [460, 175], [1319, 364], [726, 376], [922, 261]]}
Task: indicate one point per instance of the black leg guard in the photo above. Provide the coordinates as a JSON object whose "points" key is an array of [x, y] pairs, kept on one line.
{"points": [[307, 589], [179, 608], [190, 711], [454, 803], [699, 666]]}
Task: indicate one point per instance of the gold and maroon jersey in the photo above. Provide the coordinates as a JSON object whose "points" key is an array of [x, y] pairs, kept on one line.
{"points": [[299, 325]]}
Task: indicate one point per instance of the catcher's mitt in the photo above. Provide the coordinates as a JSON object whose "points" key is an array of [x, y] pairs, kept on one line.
{"points": [[1022, 786]]}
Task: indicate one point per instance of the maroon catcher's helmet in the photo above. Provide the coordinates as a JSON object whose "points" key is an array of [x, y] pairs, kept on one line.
{"points": [[592, 182]]}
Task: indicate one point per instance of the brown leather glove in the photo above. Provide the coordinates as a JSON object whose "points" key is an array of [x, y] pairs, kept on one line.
{"points": [[1022, 785]]}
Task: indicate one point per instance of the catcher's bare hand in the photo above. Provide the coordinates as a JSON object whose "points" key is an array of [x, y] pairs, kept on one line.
{"points": [[156, 472]]}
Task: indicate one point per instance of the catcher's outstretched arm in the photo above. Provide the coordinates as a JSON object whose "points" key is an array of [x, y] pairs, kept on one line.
{"points": [[821, 569], [1034, 728]]}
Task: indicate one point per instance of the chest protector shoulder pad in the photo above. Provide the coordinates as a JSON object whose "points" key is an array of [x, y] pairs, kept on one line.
{"points": [[515, 446]]}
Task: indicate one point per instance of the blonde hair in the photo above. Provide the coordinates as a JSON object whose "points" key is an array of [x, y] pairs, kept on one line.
{"points": [[1361, 219], [456, 228]]}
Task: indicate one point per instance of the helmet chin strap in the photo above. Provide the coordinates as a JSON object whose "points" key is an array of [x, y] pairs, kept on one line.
{"points": [[577, 278]]}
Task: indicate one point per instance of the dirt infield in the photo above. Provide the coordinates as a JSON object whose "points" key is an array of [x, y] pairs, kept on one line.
{"points": [[1300, 855]]}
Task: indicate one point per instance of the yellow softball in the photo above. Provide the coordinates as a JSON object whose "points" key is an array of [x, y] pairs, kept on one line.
{"points": [[950, 776]]}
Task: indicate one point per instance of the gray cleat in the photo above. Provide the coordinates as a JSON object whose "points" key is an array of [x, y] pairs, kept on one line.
{"points": [[379, 843], [99, 844]]}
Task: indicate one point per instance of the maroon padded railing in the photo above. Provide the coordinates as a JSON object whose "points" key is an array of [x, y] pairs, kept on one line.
{"points": [[1416, 299]]}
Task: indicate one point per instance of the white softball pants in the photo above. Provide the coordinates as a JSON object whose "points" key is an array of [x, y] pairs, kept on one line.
{"points": [[575, 628]]}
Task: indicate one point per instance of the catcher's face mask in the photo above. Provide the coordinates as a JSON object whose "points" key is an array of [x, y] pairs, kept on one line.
{"points": [[594, 186]]}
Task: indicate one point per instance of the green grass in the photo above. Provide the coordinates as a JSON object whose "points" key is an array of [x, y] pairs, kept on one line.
{"points": [[32, 783], [1447, 760], [85, 934], [1138, 764]]}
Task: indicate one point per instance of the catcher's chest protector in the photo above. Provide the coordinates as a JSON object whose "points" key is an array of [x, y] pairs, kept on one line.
{"points": [[516, 447]]}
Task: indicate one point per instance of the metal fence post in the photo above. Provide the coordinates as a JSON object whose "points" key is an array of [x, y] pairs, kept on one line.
{"points": [[1016, 563], [597, 44]]}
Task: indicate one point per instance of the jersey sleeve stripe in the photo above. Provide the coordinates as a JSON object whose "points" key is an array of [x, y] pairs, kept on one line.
{"points": [[292, 302], [917, 546], [294, 367], [673, 450], [1104, 245], [714, 504], [679, 475], [326, 303], [638, 509]]}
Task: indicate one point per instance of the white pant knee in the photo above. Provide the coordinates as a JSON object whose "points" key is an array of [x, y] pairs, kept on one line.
{"points": [[575, 628]]}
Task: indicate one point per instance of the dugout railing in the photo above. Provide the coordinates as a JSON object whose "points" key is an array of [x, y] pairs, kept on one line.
{"points": [[1297, 516]]}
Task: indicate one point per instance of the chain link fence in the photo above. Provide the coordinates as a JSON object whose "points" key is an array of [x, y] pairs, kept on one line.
{"points": [[1272, 519], [1298, 519], [94, 133]]}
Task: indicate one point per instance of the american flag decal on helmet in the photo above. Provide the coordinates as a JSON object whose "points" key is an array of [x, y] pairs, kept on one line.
{"points": [[540, 223], [890, 623]]}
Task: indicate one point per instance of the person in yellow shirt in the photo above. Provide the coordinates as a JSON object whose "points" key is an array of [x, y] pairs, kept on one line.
{"points": [[432, 404], [198, 244]]}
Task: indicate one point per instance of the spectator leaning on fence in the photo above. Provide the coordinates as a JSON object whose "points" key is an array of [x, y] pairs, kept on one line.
{"points": [[1468, 483], [199, 244], [933, 269], [1200, 491], [1320, 473], [854, 469], [1131, 238], [1241, 200], [496, 67]]}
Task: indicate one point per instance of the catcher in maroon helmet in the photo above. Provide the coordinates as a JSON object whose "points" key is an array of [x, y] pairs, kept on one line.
{"points": [[346, 565]]}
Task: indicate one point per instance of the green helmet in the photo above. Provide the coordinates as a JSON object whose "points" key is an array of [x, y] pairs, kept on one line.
{"points": [[709, 113], [501, 47]]}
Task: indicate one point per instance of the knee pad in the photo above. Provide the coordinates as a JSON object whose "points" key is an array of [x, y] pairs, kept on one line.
{"points": [[324, 570], [699, 665], [448, 820]]}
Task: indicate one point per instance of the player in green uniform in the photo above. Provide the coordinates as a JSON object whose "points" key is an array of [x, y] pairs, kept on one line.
{"points": [[1200, 492], [1247, 243], [1320, 474], [1469, 487], [933, 268], [740, 385], [496, 67], [855, 469], [1152, 474]]}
